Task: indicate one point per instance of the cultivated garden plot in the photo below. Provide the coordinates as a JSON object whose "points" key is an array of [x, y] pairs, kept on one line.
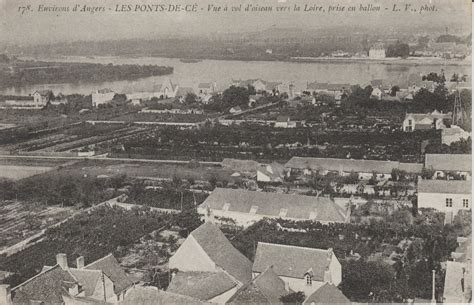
{"points": [[19, 220]]}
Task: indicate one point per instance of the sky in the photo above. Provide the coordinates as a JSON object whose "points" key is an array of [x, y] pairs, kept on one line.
{"points": [[34, 27]]}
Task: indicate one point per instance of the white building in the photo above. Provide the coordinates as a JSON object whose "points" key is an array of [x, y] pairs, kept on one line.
{"points": [[377, 93], [453, 134], [165, 90], [444, 165], [448, 196], [209, 267], [365, 169], [424, 121], [247, 207], [377, 51], [102, 96], [303, 269]]}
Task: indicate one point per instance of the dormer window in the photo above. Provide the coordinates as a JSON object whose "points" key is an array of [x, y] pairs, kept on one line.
{"points": [[226, 207], [309, 279], [253, 209]]}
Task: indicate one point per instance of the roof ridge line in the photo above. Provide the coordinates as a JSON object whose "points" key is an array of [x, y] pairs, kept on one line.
{"points": [[292, 246], [100, 259], [31, 278]]}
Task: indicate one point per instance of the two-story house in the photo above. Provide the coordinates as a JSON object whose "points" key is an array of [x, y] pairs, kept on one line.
{"points": [[303, 269], [101, 281], [446, 165], [209, 267], [448, 196]]}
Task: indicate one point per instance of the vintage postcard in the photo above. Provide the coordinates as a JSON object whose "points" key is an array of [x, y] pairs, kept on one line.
{"points": [[235, 152]]}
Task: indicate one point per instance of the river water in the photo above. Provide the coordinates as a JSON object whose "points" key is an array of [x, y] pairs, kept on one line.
{"points": [[223, 71]]}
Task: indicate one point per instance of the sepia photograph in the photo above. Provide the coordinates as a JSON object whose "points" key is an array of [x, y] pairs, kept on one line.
{"points": [[227, 152]]}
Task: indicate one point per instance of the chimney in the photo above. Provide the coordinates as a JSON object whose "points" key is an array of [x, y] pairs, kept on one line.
{"points": [[5, 296], [287, 286], [61, 260], [80, 262], [330, 253], [327, 276]]}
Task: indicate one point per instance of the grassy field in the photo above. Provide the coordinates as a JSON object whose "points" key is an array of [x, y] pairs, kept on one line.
{"points": [[16, 172]]}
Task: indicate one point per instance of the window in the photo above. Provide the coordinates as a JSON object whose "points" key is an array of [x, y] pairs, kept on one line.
{"points": [[253, 209], [309, 280], [226, 207], [449, 202], [465, 203], [410, 122], [283, 212]]}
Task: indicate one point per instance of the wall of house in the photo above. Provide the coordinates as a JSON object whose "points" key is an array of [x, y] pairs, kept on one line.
{"points": [[335, 269], [299, 284], [223, 298], [262, 177], [247, 219], [191, 257], [104, 286], [438, 201], [98, 98]]}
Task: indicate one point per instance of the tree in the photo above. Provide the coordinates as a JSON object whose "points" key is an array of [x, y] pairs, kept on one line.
{"points": [[190, 98], [398, 50], [294, 298], [235, 96]]}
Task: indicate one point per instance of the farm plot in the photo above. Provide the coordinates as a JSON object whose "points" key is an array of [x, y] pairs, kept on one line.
{"points": [[162, 117], [19, 221], [17, 172]]}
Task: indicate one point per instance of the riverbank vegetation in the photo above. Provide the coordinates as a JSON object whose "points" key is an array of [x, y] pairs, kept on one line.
{"points": [[21, 73]]}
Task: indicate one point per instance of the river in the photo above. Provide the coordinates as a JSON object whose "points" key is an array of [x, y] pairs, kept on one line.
{"points": [[223, 71]]}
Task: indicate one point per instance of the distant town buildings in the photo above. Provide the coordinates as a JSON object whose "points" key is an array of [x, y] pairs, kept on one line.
{"points": [[102, 96], [423, 121], [262, 86], [247, 207], [365, 169], [377, 51]]}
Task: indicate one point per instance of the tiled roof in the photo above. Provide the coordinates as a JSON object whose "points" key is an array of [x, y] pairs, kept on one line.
{"points": [[104, 91], [201, 285], [153, 296], [327, 294], [222, 253], [205, 85], [271, 204], [276, 173], [411, 167], [448, 162], [47, 286], [266, 288], [87, 278], [292, 261], [112, 269], [419, 117], [444, 186], [283, 118], [345, 165], [317, 86]]}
